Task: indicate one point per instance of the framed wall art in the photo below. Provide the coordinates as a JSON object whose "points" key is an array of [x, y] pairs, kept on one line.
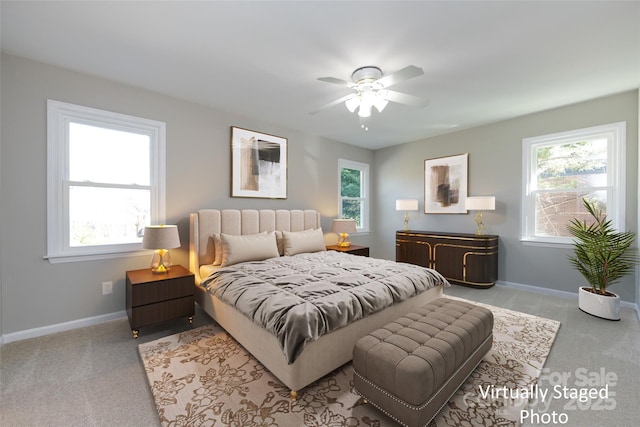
{"points": [[445, 184], [258, 164]]}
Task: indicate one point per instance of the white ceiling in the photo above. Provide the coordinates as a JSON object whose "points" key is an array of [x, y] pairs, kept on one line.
{"points": [[483, 61]]}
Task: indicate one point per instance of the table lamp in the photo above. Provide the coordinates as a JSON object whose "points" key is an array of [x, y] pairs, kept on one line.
{"points": [[479, 204], [161, 238], [343, 227], [406, 205]]}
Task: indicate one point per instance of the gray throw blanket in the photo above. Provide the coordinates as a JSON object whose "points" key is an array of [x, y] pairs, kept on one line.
{"points": [[299, 298]]}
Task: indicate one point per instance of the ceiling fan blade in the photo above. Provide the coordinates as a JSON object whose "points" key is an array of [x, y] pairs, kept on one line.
{"points": [[336, 81], [332, 103], [405, 73], [403, 98]]}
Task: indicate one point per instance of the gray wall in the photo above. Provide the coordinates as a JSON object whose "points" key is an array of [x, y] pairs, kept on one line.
{"points": [[36, 293], [495, 168]]}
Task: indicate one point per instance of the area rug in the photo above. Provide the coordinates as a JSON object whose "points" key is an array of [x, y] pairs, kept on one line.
{"points": [[203, 377]]}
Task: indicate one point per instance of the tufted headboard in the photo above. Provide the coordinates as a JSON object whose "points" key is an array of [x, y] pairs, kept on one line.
{"points": [[204, 223]]}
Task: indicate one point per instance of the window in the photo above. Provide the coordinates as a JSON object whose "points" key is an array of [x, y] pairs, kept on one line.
{"points": [[105, 175], [354, 193], [561, 169]]}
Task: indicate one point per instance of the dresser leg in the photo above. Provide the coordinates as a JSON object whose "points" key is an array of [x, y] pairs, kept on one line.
{"points": [[135, 333]]}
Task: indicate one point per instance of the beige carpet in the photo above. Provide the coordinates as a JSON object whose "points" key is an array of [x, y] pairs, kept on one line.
{"points": [[204, 378]]}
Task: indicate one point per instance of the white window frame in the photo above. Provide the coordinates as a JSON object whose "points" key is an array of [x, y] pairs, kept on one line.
{"points": [[59, 115], [616, 176], [364, 170]]}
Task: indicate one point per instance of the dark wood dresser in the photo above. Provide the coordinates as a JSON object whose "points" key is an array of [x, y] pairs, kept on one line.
{"points": [[464, 259]]}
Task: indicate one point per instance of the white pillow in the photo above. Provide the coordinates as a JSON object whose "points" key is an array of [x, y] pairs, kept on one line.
{"points": [[296, 242], [250, 247]]}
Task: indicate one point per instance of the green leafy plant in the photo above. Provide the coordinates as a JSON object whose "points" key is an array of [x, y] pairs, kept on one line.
{"points": [[601, 254]]}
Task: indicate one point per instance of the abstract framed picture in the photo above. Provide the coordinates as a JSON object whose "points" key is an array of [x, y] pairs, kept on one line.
{"points": [[445, 184], [258, 164]]}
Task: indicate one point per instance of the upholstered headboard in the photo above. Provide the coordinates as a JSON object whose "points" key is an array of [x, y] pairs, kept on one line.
{"points": [[206, 222]]}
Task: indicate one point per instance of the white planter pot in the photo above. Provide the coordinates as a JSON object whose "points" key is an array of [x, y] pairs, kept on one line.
{"points": [[606, 307]]}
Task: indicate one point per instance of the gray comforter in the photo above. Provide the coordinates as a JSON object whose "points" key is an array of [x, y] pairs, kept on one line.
{"points": [[299, 298]]}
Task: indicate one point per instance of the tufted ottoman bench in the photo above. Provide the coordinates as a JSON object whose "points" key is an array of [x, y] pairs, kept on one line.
{"points": [[411, 367]]}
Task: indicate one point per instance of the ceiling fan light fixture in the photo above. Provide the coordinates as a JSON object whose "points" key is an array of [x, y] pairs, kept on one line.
{"points": [[365, 110], [380, 102], [352, 103], [370, 88]]}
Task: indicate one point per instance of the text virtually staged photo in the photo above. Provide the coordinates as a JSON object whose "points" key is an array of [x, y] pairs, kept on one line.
{"points": [[304, 214]]}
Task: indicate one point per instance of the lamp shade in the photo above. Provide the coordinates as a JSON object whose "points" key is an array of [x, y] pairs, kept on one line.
{"points": [[481, 203], [407, 205], [352, 103], [343, 226], [161, 237]]}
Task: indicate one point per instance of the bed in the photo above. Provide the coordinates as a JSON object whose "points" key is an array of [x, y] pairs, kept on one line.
{"points": [[319, 356]]}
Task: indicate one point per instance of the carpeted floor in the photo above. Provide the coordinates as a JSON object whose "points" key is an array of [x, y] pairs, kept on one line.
{"points": [[203, 377]]}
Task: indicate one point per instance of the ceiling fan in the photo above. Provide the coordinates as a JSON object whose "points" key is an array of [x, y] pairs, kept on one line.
{"points": [[370, 87]]}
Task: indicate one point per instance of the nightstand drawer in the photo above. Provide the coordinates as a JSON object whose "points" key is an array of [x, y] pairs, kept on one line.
{"points": [[360, 251], [148, 293], [150, 314]]}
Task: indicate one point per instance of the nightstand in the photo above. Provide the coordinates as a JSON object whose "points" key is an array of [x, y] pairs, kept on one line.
{"points": [[153, 298], [353, 249]]}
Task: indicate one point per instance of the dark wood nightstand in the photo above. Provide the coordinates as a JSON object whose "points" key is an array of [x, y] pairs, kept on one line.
{"points": [[353, 249], [153, 298]]}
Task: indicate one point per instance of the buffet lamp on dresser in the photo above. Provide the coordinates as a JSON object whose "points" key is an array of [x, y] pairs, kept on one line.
{"points": [[479, 204], [406, 205]]}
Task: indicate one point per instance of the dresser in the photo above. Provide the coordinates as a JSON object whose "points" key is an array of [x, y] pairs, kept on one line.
{"points": [[464, 259]]}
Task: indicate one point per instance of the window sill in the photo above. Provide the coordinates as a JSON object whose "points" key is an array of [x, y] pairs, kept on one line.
{"points": [[61, 259], [546, 244]]}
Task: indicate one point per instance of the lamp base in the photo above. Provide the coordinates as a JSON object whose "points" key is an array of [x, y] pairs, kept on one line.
{"points": [[343, 240], [161, 262], [478, 218]]}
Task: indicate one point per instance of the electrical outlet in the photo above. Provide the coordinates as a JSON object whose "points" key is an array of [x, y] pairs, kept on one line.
{"points": [[107, 288]]}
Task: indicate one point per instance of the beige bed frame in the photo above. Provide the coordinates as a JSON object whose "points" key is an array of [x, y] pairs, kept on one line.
{"points": [[319, 357]]}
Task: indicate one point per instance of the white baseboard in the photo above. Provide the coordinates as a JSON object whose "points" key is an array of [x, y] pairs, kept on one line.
{"points": [[60, 327], [564, 294]]}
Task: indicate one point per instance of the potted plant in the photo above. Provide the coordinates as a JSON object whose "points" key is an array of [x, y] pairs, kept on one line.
{"points": [[603, 256]]}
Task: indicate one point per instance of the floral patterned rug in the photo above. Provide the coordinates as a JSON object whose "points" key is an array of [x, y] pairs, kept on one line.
{"points": [[203, 377]]}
